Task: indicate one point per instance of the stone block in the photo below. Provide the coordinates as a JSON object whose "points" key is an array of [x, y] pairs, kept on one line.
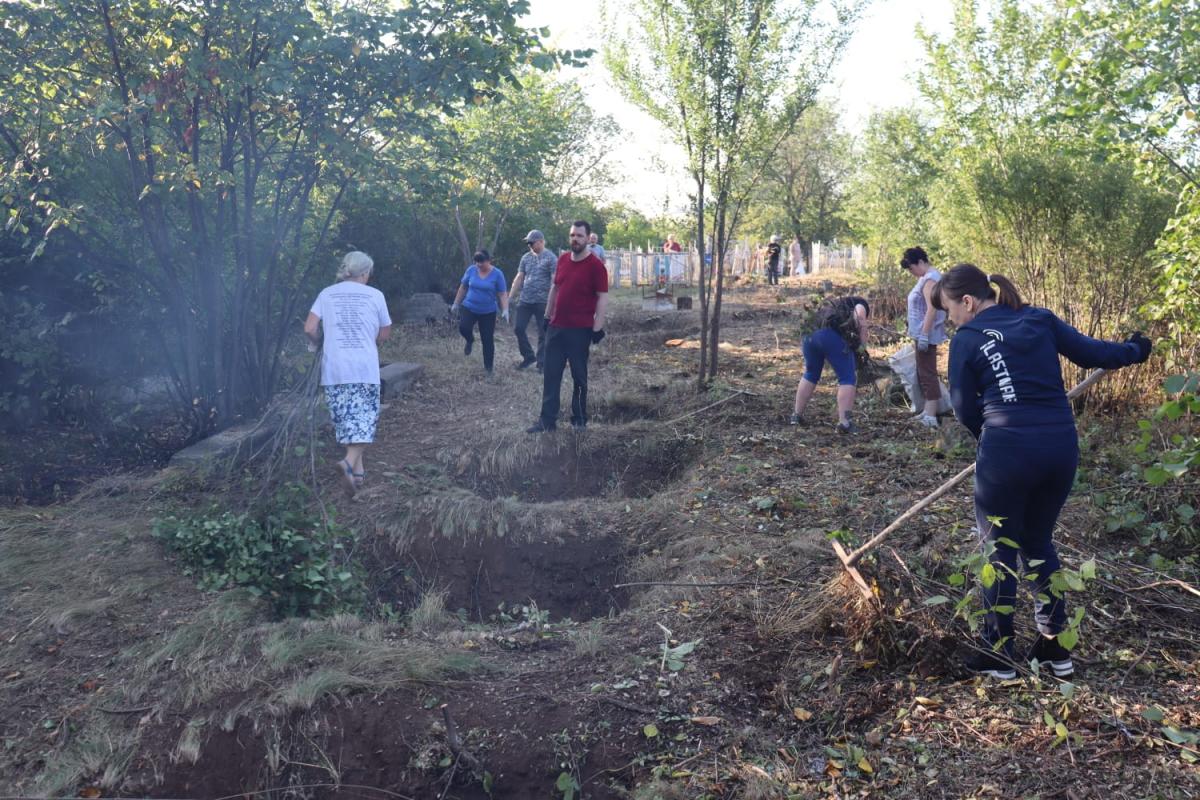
{"points": [[395, 378], [420, 309]]}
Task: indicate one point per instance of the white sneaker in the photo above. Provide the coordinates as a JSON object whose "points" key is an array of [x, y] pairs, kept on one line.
{"points": [[928, 421]]}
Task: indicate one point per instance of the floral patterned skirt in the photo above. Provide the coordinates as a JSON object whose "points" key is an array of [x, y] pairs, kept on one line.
{"points": [[354, 408]]}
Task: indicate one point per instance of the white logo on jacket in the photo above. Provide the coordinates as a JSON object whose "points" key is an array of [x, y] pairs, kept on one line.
{"points": [[1003, 379], [995, 334]]}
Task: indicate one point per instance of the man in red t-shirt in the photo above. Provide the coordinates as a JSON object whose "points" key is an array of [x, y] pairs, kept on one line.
{"points": [[575, 309]]}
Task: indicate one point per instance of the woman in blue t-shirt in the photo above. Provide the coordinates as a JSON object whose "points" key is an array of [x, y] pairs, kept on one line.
{"points": [[1007, 388], [481, 290]]}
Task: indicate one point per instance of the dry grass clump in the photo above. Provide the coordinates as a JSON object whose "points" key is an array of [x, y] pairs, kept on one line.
{"points": [[430, 615]]}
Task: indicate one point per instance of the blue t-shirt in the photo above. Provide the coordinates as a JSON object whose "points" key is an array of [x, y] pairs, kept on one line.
{"points": [[482, 292]]}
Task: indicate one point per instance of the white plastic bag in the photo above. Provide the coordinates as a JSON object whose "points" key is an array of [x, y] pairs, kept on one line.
{"points": [[904, 363]]}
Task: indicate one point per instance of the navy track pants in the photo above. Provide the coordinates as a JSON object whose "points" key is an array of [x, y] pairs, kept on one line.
{"points": [[1022, 479]]}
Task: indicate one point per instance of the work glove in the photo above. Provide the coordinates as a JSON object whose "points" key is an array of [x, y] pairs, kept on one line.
{"points": [[504, 315], [922, 343], [1143, 345], [454, 308], [597, 337]]}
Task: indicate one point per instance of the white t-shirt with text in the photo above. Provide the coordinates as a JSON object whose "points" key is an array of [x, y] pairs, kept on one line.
{"points": [[351, 315]]}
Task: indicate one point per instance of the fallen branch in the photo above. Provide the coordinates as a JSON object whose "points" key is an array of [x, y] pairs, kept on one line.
{"points": [[1172, 582], [738, 393], [684, 583], [622, 704], [456, 747], [138, 710]]}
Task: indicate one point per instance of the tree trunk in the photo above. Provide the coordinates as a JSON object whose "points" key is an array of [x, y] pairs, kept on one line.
{"points": [[702, 378]]}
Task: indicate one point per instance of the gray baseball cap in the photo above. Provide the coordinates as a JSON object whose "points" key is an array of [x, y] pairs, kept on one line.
{"points": [[535, 236]]}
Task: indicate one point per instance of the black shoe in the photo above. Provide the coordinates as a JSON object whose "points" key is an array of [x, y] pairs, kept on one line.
{"points": [[794, 419], [467, 347], [848, 426], [526, 362], [579, 426], [540, 427], [1048, 652], [994, 665]]}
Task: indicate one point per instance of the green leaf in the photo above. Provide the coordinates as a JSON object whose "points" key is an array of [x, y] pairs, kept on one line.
{"points": [[1174, 384], [1153, 713], [566, 784], [1069, 638], [650, 730], [1088, 569], [936, 600]]}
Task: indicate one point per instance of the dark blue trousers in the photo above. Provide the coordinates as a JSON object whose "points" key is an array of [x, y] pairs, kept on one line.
{"points": [[1022, 479]]}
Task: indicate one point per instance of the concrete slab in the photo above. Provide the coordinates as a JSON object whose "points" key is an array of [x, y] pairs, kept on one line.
{"points": [[236, 444]]}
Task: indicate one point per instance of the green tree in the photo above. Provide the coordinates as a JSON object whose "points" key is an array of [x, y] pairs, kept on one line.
{"points": [[804, 184], [202, 152], [728, 81], [535, 144], [887, 204], [1133, 73], [1026, 191]]}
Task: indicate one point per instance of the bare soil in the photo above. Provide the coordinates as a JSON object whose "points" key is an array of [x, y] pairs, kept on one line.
{"points": [[573, 566]]}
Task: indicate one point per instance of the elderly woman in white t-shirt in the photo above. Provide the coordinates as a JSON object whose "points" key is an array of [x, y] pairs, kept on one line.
{"points": [[352, 318]]}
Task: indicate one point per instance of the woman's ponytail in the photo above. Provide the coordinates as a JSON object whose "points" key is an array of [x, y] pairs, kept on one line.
{"points": [[1006, 293], [968, 279]]}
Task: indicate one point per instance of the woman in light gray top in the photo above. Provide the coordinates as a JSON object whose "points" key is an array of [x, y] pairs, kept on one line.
{"points": [[927, 327]]}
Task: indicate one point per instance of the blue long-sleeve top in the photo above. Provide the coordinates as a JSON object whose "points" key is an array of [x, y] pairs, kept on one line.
{"points": [[1005, 372]]}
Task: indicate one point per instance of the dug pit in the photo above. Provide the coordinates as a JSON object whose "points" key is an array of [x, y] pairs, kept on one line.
{"points": [[636, 466], [570, 578]]}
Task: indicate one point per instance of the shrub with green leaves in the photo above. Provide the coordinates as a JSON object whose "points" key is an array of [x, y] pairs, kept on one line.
{"points": [[280, 550]]}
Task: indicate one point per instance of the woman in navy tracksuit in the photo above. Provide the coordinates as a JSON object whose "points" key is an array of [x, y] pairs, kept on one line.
{"points": [[1007, 388]]}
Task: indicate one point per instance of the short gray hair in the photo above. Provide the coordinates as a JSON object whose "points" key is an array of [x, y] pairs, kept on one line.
{"points": [[355, 264]]}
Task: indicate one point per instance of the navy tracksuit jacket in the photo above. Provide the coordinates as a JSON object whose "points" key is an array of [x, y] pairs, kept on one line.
{"points": [[1007, 388]]}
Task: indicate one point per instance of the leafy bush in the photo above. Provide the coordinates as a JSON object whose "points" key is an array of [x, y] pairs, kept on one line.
{"points": [[281, 551]]}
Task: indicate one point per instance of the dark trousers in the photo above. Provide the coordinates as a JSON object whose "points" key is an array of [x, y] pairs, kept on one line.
{"points": [[565, 346], [1022, 479], [773, 275], [487, 332], [537, 313]]}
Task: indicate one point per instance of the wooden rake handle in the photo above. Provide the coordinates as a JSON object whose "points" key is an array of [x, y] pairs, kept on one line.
{"points": [[852, 558]]}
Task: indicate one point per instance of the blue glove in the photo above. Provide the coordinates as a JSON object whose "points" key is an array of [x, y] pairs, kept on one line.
{"points": [[922, 343], [504, 315]]}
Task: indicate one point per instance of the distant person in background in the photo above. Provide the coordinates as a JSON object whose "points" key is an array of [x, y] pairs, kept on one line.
{"points": [[927, 329], [672, 246], [1007, 387], [597, 248], [774, 252], [352, 319], [481, 291], [535, 276], [796, 255], [576, 308], [841, 328]]}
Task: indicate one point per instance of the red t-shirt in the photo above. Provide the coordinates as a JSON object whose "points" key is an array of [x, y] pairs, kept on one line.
{"points": [[578, 283]]}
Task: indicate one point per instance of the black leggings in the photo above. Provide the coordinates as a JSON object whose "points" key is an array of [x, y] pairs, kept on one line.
{"points": [[487, 331]]}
